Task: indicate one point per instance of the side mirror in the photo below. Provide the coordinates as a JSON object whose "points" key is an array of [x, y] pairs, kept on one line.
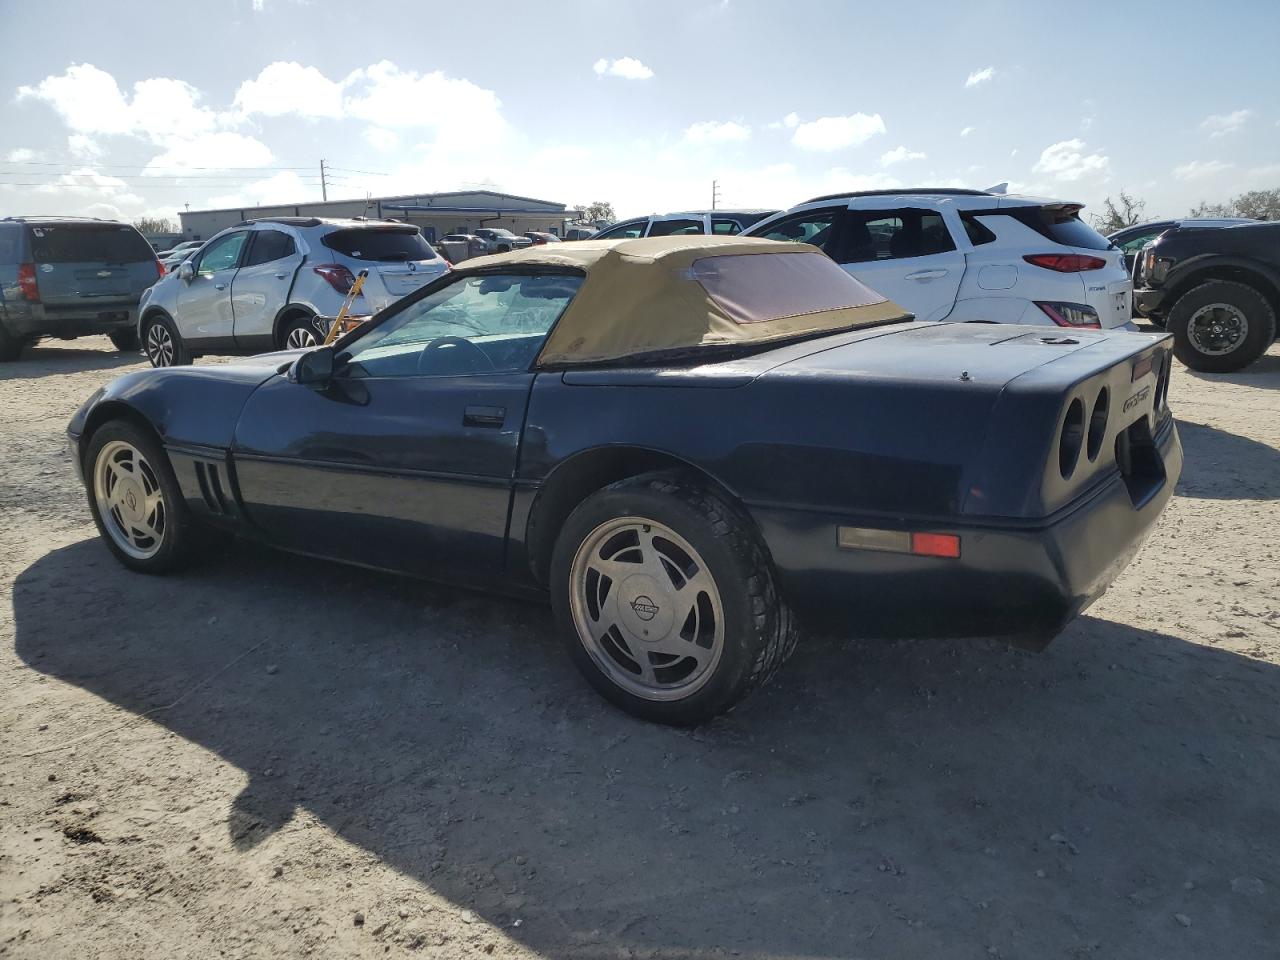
{"points": [[314, 366], [186, 271]]}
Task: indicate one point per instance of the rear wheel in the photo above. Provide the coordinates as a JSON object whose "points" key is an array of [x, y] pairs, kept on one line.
{"points": [[10, 346], [135, 499], [299, 332], [125, 340], [667, 600], [162, 344], [1221, 326]]}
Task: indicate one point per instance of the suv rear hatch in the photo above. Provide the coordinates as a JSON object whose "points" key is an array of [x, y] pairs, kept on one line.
{"points": [[95, 265], [397, 256], [1099, 264]]}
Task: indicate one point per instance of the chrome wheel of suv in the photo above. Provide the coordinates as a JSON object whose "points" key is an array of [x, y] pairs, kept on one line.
{"points": [[159, 345], [1217, 328], [301, 337]]}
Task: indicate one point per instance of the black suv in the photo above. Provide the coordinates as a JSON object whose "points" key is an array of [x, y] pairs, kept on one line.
{"points": [[1216, 291]]}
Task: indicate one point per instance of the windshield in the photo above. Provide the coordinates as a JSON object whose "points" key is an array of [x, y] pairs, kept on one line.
{"points": [[380, 245], [89, 243], [490, 323]]}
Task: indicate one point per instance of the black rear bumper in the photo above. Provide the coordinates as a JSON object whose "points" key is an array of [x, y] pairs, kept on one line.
{"points": [[1016, 581], [73, 320]]}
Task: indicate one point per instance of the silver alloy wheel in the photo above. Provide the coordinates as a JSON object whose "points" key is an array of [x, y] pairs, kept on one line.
{"points": [[301, 337], [159, 345], [127, 491], [646, 608], [1217, 329]]}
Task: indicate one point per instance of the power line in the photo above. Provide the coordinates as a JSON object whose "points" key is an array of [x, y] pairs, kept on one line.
{"points": [[141, 177], [142, 166]]}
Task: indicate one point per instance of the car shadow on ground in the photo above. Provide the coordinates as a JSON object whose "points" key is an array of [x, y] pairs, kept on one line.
{"points": [[907, 798], [1263, 373], [51, 357], [1225, 466]]}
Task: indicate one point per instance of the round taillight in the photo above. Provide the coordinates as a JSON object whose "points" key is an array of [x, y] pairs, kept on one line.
{"points": [[1072, 438], [1098, 423]]}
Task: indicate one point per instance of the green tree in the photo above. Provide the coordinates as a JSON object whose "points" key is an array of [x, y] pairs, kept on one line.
{"points": [[150, 226], [1258, 204], [598, 210], [1127, 211]]}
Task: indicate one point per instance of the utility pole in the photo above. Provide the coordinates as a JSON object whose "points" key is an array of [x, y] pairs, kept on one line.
{"points": [[715, 193], [324, 186]]}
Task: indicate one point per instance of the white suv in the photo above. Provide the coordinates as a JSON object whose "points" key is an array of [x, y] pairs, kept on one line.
{"points": [[968, 255]]}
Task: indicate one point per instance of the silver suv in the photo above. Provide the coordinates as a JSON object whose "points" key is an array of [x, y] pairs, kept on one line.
{"points": [[265, 285]]}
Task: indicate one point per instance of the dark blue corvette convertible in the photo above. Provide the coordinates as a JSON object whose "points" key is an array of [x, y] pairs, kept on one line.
{"points": [[689, 443]]}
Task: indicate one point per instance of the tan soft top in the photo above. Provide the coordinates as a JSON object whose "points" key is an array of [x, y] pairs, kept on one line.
{"points": [[661, 294]]}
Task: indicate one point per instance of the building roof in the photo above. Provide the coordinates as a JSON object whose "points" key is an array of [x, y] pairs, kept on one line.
{"points": [[662, 295], [397, 201]]}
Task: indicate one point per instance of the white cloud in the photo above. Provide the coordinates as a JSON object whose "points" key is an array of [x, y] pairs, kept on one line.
{"points": [[838, 178], [382, 139], [286, 87], [900, 154], [21, 155], [283, 187], [791, 120], [628, 68], [387, 96], [1270, 171], [1200, 169], [83, 147], [1221, 124], [835, 133], [980, 76], [966, 131], [221, 150], [1067, 161], [711, 131]]}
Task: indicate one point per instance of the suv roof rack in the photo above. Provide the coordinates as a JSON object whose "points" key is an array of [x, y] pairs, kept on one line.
{"points": [[23, 219], [287, 221], [905, 192]]}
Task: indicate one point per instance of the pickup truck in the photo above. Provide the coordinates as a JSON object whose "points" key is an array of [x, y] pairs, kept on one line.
{"points": [[1216, 291]]}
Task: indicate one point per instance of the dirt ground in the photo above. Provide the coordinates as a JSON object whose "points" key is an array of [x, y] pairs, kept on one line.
{"points": [[274, 757]]}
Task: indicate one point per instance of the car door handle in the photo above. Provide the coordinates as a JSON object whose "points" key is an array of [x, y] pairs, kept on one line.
{"points": [[926, 275], [484, 416], [219, 286], [281, 276]]}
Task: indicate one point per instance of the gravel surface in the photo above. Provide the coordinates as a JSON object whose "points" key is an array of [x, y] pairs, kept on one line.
{"points": [[275, 757]]}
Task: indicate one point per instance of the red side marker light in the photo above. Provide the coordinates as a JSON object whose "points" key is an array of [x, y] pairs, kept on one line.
{"points": [[935, 545]]}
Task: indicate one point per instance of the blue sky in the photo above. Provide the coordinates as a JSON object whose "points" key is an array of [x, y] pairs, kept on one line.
{"points": [[128, 108]]}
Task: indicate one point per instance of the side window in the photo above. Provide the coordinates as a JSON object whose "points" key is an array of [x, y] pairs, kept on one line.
{"points": [[893, 235], [725, 227], [977, 231], [9, 235], [1137, 243], [492, 323], [675, 228], [269, 245], [627, 230], [221, 254], [812, 226]]}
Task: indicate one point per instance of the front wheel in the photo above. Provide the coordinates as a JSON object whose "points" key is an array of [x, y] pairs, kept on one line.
{"points": [[135, 499], [163, 344], [1221, 326], [667, 599]]}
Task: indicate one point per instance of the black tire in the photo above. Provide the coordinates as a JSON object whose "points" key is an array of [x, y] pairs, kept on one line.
{"points": [[759, 631], [10, 346], [297, 327], [180, 535], [154, 328], [125, 340], [1246, 301]]}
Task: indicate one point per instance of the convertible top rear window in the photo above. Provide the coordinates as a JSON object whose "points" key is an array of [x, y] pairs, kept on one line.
{"points": [[751, 288]]}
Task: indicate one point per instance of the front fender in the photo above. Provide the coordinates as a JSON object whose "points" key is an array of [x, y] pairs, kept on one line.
{"points": [[1183, 273]]}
